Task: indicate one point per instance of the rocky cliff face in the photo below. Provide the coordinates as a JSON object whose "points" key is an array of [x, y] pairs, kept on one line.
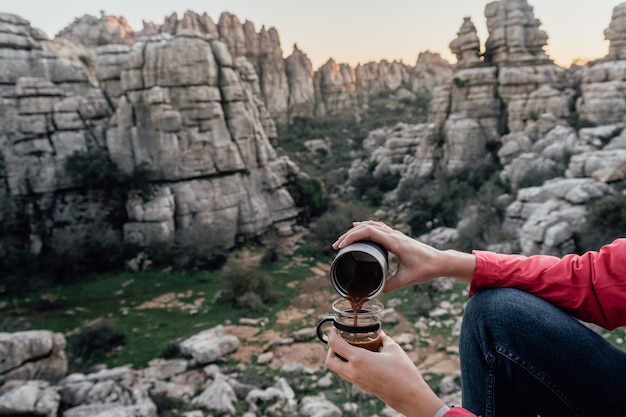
{"points": [[177, 105], [195, 103], [288, 86], [543, 118], [192, 102]]}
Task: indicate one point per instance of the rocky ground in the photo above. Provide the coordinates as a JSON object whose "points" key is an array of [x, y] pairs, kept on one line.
{"points": [[244, 368]]}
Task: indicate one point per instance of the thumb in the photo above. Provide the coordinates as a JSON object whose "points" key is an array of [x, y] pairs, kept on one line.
{"points": [[396, 281]]}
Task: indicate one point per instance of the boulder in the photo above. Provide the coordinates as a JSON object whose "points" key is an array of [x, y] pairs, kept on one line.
{"points": [[32, 354], [117, 391], [279, 397], [219, 396], [210, 345], [318, 406], [34, 397]]}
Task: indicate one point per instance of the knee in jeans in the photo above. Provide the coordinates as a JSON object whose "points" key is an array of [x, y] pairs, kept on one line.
{"points": [[495, 307]]}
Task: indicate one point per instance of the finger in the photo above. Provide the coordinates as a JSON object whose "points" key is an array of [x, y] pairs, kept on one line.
{"points": [[389, 345], [334, 361], [392, 283], [339, 346], [386, 340], [330, 356], [368, 231], [355, 226]]}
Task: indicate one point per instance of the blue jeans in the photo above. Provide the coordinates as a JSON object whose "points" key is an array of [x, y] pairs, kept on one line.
{"points": [[522, 356]]}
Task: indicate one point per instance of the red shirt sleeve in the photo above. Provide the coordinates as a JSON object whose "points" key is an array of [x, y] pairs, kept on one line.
{"points": [[459, 412], [591, 287]]}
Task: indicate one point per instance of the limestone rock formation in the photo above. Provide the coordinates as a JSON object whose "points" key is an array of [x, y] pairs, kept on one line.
{"points": [[616, 34], [205, 127], [603, 98], [48, 111], [33, 354], [209, 346], [514, 34], [218, 397], [515, 99], [198, 119], [335, 85], [35, 397], [117, 391], [93, 31], [271, 65], [299, 72], [190, 20], [548, 216], [178, 106], [430, 72], [466, 46], [507, 90], [286, 84], [539, 105]]}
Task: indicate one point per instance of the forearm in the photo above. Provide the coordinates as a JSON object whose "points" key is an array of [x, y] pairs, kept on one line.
{"points": [[591, 287], [452, 263], [415, 399]]}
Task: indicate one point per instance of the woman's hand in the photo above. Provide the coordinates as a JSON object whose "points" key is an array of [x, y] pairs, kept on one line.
{"points": [[389, 375], [417, 261]]}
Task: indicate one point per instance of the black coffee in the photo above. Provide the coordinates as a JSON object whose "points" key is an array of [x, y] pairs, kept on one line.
{"points": [[358, 277]]}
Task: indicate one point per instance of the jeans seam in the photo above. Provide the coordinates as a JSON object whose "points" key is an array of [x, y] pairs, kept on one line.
{"points": [[491, 382], [540, 376], [490, 360]]}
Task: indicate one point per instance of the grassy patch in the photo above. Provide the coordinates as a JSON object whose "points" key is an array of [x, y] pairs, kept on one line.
{"points": [[152, 309]]}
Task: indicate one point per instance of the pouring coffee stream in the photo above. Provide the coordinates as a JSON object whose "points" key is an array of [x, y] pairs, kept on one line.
{"points": [[361, 283]]}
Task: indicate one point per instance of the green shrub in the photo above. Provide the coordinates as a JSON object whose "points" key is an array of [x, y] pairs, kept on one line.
{"points": [[22, 271], [310, 195], [422, 102], [437, 203], [423, 298], [10, 324], [95, 339], [190, 253], [92, 256], [388, 181], [458, 82], [246, 287], [577, 122], [171, 351], [96, 171], [481, 231], [336, 221], [537, 178], [606, 221], [372, 188], [363, 183]]}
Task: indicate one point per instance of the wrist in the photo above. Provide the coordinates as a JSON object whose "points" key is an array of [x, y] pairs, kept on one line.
{"points": [[459, 265], [420, 402], [442, 411]]}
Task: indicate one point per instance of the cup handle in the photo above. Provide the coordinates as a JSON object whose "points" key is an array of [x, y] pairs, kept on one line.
{"points": [[320, 335]]}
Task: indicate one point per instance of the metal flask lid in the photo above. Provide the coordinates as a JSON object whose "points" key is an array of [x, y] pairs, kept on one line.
{"points": [[359, 270]]}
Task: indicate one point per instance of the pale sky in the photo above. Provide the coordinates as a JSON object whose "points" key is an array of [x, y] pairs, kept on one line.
{"points": [[351, 31]]}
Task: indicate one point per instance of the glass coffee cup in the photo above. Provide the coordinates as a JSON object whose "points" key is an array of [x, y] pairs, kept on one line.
{"points": [[360, 329]]}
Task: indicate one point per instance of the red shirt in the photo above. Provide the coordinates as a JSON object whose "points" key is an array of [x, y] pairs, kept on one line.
{"points": [[590, 287]]}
